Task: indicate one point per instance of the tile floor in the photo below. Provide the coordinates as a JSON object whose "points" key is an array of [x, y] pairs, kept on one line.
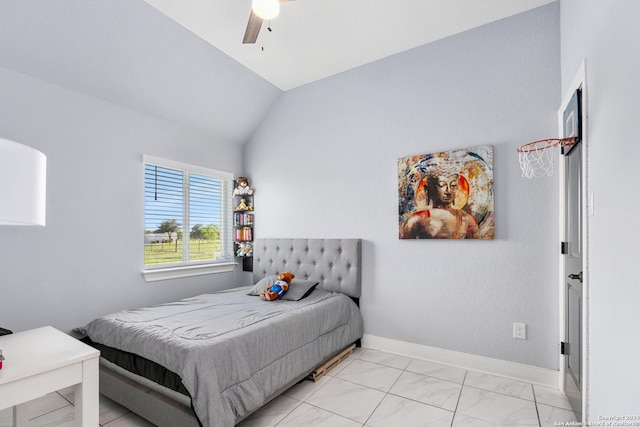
{"points": [[370, 389]]}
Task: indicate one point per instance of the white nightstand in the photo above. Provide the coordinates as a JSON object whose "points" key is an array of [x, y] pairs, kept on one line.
{"points": [[44, 360]]}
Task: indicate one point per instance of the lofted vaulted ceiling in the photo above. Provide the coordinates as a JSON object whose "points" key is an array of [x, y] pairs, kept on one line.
{"points": [[313, 39], [184, 61]]}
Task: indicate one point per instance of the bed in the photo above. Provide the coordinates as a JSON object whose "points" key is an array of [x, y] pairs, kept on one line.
{"points": [[214, 359]]}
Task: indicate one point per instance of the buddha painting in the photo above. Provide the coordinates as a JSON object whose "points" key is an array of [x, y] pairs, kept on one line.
{"points": [[447, 195]]}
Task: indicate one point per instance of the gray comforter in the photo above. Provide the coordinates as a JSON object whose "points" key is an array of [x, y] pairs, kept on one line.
{"points": [[231, 350]]}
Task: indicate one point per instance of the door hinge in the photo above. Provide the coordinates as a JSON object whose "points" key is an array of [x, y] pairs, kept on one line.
{"points": [[564, 348], [564, 248]]}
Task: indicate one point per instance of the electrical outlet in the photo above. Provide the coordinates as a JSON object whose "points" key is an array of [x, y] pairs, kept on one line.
{"points": [[520, 331]]}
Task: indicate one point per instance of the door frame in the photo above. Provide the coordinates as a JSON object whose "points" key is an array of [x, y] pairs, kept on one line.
{"points": [[579, 82]]}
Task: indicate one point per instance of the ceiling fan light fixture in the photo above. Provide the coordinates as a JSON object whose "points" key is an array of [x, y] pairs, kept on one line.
{"points": [[266, 9]]}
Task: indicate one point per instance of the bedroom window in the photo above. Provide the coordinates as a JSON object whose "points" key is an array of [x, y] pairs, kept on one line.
{"points": [[187, 220]]}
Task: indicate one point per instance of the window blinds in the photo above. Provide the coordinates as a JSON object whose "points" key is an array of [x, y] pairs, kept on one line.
{"points": [[187, 214]]}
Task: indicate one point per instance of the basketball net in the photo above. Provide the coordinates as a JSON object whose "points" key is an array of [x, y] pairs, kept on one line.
{"points": [[538, 158]]}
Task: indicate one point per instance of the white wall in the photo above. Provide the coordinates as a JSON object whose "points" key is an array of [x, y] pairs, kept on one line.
{"points": [[607, 37], [87, 260], [324, 164]]}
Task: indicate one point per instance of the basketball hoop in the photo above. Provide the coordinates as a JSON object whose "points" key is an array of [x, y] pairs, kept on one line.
{"points": [[538, 158]]}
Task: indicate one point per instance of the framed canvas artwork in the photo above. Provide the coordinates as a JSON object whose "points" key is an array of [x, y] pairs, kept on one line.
{"points": [[447, 195]]}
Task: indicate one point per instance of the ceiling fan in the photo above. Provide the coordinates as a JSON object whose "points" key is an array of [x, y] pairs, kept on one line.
{"points": [[260, 10]]}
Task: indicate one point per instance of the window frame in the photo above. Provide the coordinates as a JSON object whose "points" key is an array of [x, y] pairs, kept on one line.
{"points": [[155, 272]]}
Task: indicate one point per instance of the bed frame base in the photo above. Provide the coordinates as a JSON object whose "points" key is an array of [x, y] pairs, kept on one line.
{"points": [[324, 369], [164, 411], [149, 404]]}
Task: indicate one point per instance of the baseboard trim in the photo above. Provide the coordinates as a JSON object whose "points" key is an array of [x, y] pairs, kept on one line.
{"points": [[517, 371]]}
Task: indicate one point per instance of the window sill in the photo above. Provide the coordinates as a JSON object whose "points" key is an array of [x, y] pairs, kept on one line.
{"points": [[188, 271]]}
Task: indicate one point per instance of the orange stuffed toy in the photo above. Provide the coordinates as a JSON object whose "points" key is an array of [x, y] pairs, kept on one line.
{"points": [[279, 287]]}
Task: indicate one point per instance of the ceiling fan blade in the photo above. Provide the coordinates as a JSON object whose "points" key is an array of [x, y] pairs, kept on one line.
{"points": [[253, 28]]}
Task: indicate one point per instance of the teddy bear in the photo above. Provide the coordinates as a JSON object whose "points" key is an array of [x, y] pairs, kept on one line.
{"points": [[242, 187], [242, 206], [244, 249], [279, 287]]}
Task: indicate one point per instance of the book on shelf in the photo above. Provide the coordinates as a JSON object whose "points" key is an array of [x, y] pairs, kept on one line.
{"points": [[243, 219], [244, 234]]}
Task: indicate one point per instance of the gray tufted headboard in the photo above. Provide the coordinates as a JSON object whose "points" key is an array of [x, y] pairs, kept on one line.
{"points": [[334, 263]]}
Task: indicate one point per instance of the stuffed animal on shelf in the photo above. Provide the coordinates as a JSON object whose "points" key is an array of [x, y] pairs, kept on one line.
{"points": [[244, 249], [242, 187], [279, 287], [243, 206]]}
